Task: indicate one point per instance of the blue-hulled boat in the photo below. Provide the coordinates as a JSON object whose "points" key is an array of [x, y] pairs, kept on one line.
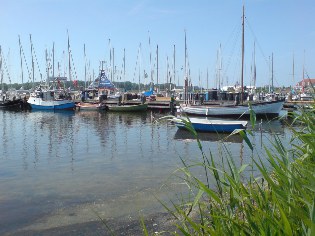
{"points": [[206, 125], [50, 99]]}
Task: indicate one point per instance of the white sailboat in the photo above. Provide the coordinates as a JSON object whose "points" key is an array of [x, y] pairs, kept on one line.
{"points": [[262, 108]]}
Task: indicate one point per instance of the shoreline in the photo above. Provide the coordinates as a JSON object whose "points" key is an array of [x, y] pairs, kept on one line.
{"points": [[156, 222]]}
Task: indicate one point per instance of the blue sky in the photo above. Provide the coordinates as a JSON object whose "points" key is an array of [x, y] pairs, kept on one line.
{"points": [[282, 28]]}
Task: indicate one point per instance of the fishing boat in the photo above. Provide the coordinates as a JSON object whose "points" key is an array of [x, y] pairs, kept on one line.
{"points": [[206, 125], [50, 99], [88, 106], [240, 108], [51, 95], [128, 108]]}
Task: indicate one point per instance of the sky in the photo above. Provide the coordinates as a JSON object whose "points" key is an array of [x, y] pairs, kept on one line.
{"points": [[279, 40]]}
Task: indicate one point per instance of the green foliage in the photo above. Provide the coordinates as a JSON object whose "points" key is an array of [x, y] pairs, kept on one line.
{"points": [[281, 201]]}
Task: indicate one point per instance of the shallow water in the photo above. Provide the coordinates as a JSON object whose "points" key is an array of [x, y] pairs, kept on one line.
{"points": [[66, 168]]}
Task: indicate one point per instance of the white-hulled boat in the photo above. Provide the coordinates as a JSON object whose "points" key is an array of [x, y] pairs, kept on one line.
{"points": [[270, 109]]}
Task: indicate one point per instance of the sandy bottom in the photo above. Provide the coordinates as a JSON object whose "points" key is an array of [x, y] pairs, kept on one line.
{"points": [[86, 219], [158, 223]]}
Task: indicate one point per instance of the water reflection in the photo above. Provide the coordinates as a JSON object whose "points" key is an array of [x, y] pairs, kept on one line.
{"points": [[182, 134], [272, 126], [118, 160]]}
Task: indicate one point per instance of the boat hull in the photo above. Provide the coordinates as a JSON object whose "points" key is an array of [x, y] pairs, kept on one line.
{"points": [[90, 106], [8, 104], [219, 126], [260, 109], [39, 104], [128, 108]]}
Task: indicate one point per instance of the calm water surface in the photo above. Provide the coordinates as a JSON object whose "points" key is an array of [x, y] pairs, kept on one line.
{"points": [[65, 168]]}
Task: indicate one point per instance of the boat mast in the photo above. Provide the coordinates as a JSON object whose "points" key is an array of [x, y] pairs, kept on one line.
{"points": [[1, 71], [151, 69], [53, 69], [207, 80], [186, 79], [174, 66], [125, 67], [21, 60], [293, 70], [167, 70], [110, 60], [219, 59], [303, 75], [113, 77], [157, 64], [199, 80], [47, 66], [33, 75], [254, 82], [243, 42], [84, 66], [69, 55], [139, 53], [272, 72]]}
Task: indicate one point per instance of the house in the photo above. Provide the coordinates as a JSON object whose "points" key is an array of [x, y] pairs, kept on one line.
{"points": [[306, 83]]}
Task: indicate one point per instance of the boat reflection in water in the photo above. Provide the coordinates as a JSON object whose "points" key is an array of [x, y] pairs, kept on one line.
{"points": [[183, 134], [269, 127]]}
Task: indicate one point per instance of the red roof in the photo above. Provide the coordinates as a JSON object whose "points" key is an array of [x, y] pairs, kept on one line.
{"points": [[306, 83]]}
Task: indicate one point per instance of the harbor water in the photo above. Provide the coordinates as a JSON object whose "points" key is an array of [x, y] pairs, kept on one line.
{"points": [[60, 169]]}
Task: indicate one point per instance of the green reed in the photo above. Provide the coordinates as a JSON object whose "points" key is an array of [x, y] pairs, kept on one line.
{"points": [[280, 201]]}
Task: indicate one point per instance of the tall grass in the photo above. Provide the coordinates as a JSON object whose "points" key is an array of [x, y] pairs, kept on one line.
{"points": [[280, 201]]}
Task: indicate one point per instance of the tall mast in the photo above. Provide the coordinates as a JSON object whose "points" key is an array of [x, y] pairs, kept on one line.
{"points": [[303, 75], [113, 77], [174, 65], [253, 70], [293, 70], [32, 60], [69, 57], [272, 73], [47, 65], [21, 59], [1, 71], [219, 59], [199, 80], [84, 66], [110, 60], [124, 65], [157, 64], [139, 65], [243, 46], [254, 66], [186, 79], [167, 71], [151, 69], [207, 80], [53, 69]]}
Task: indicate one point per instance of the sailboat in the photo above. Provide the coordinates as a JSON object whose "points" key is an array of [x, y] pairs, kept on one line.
{"points": [[261, 108]]}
